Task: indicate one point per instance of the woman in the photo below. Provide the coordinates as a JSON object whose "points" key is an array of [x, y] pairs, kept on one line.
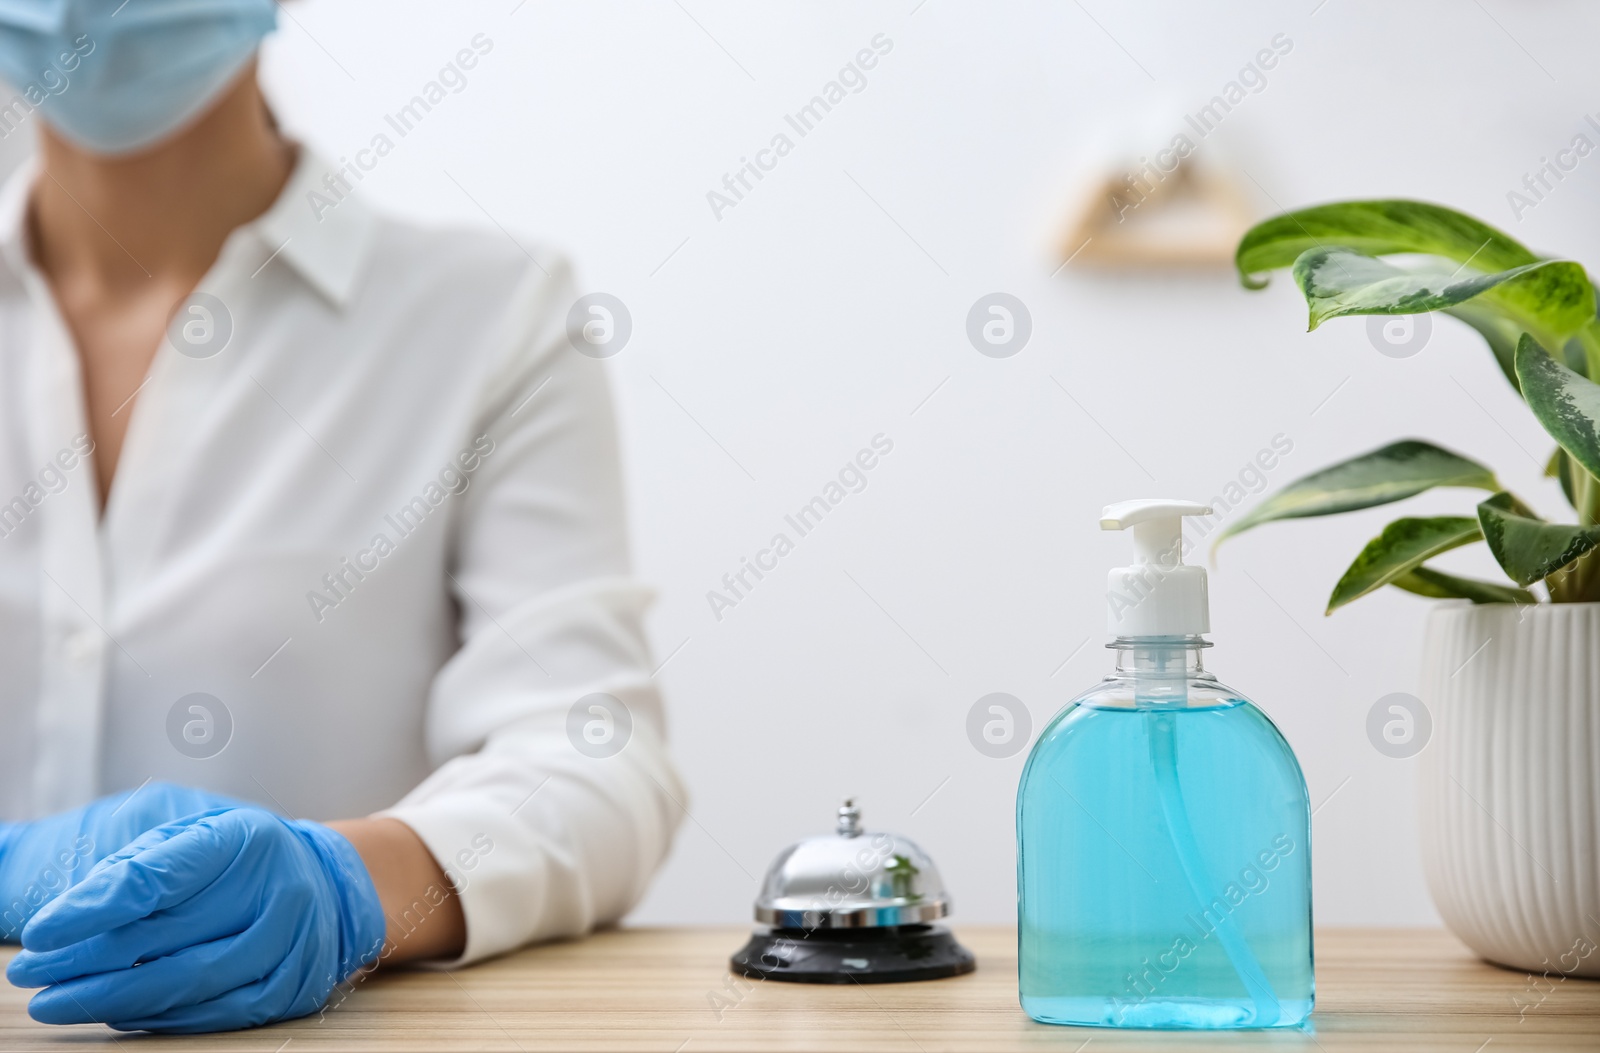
{"points": [[306, 512]]}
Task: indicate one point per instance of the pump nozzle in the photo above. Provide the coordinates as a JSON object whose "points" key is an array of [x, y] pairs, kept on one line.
{"points": [[1159, 595]]}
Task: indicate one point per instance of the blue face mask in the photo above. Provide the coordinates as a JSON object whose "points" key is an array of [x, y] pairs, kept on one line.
{"points": [[116, 76]]}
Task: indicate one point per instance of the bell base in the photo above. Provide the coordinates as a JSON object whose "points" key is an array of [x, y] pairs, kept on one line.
{"points": [[893, 954]]}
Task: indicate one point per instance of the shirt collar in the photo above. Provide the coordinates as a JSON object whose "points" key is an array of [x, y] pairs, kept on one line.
{"points": [[317, 225], [13, 216]]}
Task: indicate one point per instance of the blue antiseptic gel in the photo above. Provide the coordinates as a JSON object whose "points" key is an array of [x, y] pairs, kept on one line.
{"points": [[1163, 829]]}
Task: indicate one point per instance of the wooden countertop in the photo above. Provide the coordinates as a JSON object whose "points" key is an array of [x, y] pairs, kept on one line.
{"points": [[668, 990]]}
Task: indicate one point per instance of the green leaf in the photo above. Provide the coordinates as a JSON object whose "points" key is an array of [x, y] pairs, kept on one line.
{"points": [[1576, 357], [1502, 334], [1391, 473], [1498, 331], [1528, 549], [1566, 404], [1560, 467], [1436, 584], [1376, 228], [1403, 546], [1550, 296]]}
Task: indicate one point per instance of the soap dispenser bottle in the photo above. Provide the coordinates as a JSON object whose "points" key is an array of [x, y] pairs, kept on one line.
{"points": [[1163, 828]]}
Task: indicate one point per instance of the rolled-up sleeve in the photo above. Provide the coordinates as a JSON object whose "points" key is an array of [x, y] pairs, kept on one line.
{"points": [[545, 826]]}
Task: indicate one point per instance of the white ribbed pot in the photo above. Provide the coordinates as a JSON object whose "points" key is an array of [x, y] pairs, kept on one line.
{"points": [[1510, 782]]}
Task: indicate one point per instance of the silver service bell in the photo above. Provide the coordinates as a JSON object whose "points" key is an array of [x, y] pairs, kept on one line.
{"points": [[853, 906]]}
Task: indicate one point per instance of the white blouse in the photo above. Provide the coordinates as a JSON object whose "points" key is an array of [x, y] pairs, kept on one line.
{"points": [[365, 551]]}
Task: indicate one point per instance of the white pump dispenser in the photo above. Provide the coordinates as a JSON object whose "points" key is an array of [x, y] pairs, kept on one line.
{"points": [[1160, 594], [1085, 915]]}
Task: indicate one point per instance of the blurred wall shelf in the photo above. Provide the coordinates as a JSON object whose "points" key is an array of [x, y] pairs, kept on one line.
{"points": [[1159, 211]]}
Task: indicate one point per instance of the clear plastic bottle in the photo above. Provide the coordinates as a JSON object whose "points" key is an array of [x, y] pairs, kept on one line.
{"points": [[1163, 848]]}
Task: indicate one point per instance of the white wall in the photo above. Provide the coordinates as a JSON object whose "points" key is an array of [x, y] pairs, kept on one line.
{"points": [[776, 341]]}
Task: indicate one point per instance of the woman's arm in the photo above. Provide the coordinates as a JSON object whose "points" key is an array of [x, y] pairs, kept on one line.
{"points": [[410, 884], [553, 800]]}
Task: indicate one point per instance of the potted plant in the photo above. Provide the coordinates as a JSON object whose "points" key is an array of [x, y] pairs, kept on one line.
{"points": [[1510, 781]]}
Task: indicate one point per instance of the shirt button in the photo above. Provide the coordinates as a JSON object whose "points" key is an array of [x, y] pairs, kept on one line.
{"points": [[82, 647]]}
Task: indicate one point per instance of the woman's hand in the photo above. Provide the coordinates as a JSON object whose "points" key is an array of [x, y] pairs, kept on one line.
{"points": [[226, 919], [41, 859]]}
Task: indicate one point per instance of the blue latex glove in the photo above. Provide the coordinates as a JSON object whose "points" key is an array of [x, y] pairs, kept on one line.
{"points": [[41, 859], [233, 918]]}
